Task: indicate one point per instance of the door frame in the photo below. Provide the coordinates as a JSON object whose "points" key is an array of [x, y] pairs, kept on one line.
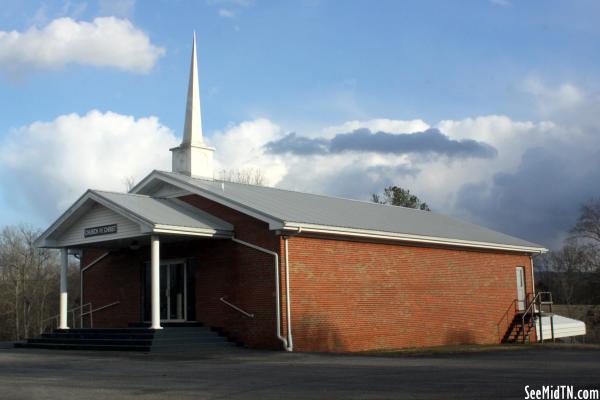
{"points": [[169, 263], [520, 273]]}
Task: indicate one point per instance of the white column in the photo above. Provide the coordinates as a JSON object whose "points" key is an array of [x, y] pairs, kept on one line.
{"points": [[155, 272], [64, 264]]}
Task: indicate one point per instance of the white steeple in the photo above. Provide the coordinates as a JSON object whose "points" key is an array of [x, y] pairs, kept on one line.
{"points": [[193, 157], [192, 132]]}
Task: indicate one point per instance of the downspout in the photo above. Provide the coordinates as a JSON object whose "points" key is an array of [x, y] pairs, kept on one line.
{"points": [[277, 300], [532, 276], [287, 291], [533, 288]]}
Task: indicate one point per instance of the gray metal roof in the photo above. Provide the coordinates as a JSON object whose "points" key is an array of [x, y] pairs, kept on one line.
{"points": [[165, 211], [305, 208]]}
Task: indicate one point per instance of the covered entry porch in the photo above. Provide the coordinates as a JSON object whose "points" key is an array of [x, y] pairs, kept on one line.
{"points": [[129, 232]]}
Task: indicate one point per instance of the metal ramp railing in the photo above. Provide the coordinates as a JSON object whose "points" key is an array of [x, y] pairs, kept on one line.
{"points": [[77, 314]]}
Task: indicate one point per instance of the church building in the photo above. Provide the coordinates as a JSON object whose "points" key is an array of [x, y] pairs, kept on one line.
{"points": [[283, 270]]}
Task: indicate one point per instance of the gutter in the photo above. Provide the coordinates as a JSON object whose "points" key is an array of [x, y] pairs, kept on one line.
{"points": [[286, 345], [363, 233], [532, 276]]}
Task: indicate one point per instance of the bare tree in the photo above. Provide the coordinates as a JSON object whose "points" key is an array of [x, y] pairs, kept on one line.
{"points": [[588, 223], [570, 264], [249, 176], [28, 283], [587, 230]]}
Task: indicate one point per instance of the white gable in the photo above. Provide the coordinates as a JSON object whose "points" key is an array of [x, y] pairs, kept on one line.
{"points": [[98, 216]]}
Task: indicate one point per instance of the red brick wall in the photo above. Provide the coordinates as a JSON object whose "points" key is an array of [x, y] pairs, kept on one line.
{"points": [[353, 296], [246, 228], [116, 277], [245, 277]]}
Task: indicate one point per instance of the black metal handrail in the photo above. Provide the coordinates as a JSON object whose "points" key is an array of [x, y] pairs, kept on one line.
{"points": [[540, 299], [507, 318]]}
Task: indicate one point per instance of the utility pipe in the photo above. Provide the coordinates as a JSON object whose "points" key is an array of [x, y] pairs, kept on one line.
{"points": [[532, 277], [277, 280], [533, 289], [287, 289], [287, 297]]}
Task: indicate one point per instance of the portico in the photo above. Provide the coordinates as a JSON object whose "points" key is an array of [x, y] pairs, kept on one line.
{"points": [[126, 221]]}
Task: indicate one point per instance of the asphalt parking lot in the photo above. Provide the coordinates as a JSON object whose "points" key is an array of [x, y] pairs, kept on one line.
{"points": [[243, 374]]}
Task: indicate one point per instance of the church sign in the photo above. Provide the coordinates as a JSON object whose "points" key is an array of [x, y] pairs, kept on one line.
{"points": [[100, 230]]}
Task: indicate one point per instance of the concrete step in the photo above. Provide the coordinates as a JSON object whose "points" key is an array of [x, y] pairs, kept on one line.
{"points": [[94, 335], [98, 347], [80, 341], [191, 337], [185, 324], [105, 330]]}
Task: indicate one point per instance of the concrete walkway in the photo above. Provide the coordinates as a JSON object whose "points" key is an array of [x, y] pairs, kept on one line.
{"points": [[243, 374]]}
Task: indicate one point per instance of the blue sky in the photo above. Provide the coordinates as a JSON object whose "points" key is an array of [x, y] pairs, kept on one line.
{"points": [[312, 67]]}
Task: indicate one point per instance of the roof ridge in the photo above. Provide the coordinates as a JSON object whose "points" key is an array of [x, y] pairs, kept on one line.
{"points": [[297, 191], [122, 193]]}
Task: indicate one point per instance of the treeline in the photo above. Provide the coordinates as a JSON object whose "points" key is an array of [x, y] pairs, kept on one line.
{"points": [[29, 284], [572, 273]]}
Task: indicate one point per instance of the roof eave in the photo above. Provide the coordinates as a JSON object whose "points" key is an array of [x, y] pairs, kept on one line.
{"points": [[373, 234], [191, 231]]}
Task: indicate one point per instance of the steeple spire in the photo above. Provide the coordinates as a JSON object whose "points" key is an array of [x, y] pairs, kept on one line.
{"points": [[192, 132], [192, 157]]}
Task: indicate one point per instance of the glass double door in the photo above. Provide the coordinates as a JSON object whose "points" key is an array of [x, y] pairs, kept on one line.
{"points": [[173, 292]]}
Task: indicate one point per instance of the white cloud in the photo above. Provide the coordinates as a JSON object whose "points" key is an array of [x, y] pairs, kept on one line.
{"points": [[241, 147], [503, 3], [118, 8], [552, 99], [68, 9], [225, 13], [230, 9], [47, 165], [72, 9], [104, 42]]}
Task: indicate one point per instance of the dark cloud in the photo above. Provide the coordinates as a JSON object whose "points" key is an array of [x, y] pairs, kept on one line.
{"points": [[291, 143], [431, 141], [540, 201]]}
